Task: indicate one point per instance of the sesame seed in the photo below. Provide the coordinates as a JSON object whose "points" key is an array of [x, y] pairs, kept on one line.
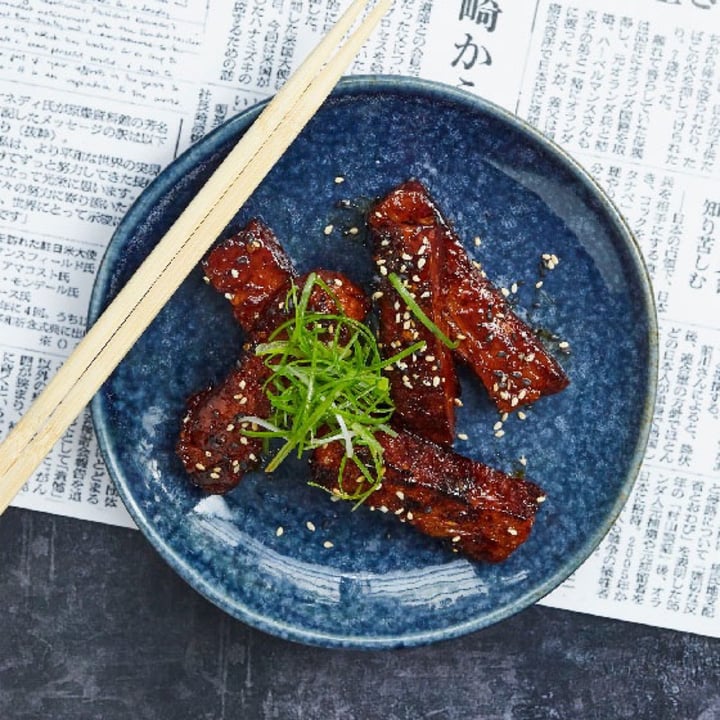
{"points": [[421, 263], [523, 460], [328, 229], [214, 476], [383, 509], [310, 526], [279, 531], [564, 345], [539, 284], [497, 426], [400, 494], [409, 516], [477, 241], [353, 231], [504, 291], [230, 427], [499, 433], [436, 381], [383, 270], [243, 440], [327, 545], [456, 539], [199, 466], [229, 296], [234, 273], [541, 499], [206, 279], [521, 415], [339, 180], [550, 260], [512, 531], [462, 436]]}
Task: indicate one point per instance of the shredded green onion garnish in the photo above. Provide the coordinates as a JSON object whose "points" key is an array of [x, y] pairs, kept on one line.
{"points": [[327, 385], [416, 310]]}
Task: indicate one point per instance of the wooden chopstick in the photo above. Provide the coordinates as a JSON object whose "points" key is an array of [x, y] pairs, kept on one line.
{"points": [[181, 248]]}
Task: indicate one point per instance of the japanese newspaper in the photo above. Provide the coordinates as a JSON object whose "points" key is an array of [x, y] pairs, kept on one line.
{"points": [[97, 96]]}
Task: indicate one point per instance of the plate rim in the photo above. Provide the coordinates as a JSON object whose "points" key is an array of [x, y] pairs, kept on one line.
{"points": [[427, 89]]}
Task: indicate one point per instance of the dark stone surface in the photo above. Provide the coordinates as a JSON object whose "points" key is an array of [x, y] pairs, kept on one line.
{"points": [[95, 625]]}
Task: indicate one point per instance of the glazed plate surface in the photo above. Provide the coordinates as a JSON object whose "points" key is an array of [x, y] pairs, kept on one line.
{"points": [[382, 584]]}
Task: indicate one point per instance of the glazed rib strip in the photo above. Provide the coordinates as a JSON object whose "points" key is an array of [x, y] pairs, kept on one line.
{"points": [[424, 386], [249, 269], [477, 510], [502, 350], [214, 451]]}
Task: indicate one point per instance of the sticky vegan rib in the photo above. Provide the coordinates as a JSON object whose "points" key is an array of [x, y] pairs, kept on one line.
{"points": [[503, 351], [477, 510]]}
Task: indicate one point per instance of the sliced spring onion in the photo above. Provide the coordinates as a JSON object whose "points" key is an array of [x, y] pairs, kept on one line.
{"points": [[417, 311], [327, 384]]}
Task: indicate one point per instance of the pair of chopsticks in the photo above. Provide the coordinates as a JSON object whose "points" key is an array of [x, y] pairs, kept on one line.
{"points": [[181, 248]]}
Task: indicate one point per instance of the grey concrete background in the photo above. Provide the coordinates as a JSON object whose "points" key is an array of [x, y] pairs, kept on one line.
{"points": [[95, 625]]}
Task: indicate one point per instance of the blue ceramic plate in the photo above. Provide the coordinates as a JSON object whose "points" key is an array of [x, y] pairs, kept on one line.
{"points": [[382, 584]]}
